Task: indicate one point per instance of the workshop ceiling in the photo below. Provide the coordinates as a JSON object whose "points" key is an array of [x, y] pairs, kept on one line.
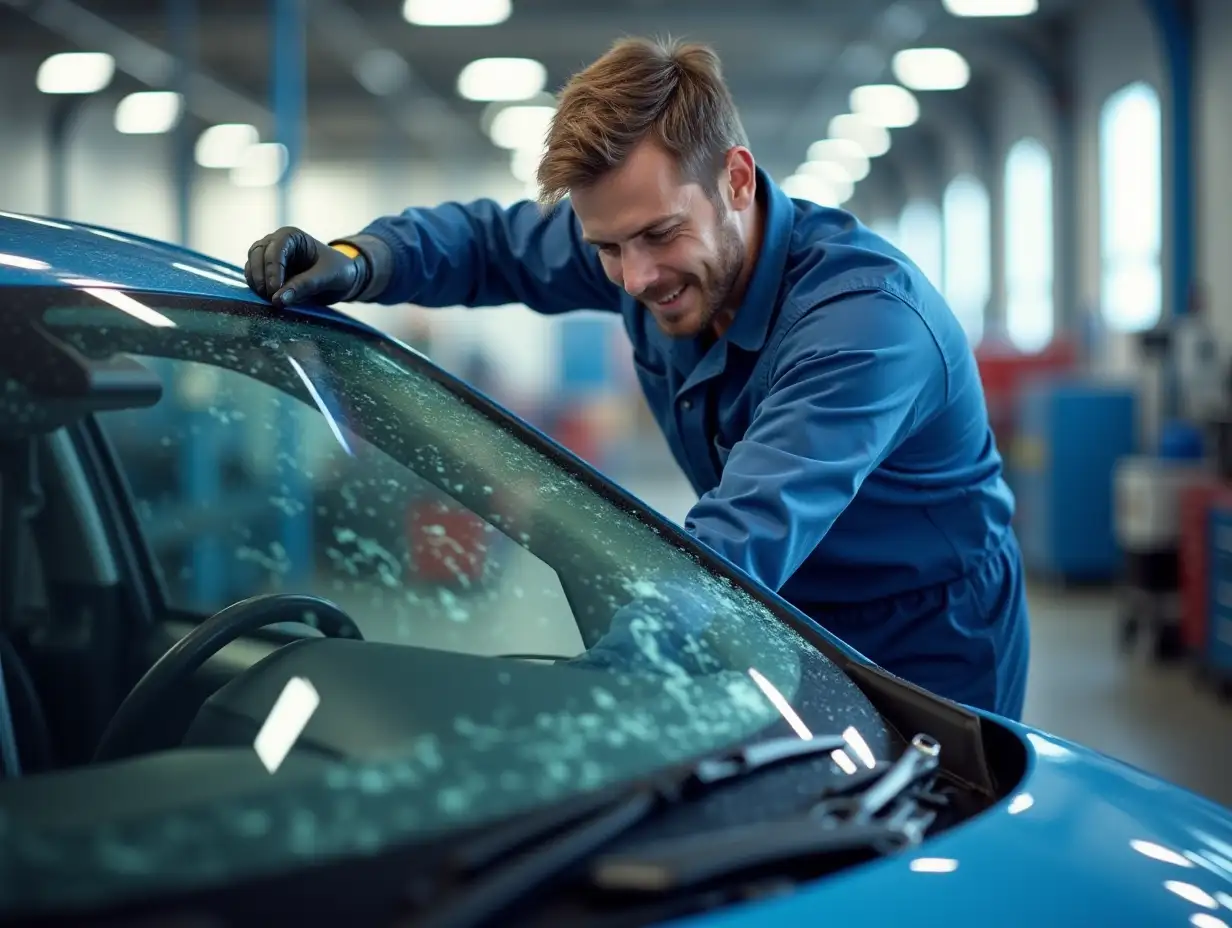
{"points": [[791, 63]]}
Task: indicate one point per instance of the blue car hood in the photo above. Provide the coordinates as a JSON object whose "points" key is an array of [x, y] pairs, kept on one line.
{"points": [[1083, 840]]}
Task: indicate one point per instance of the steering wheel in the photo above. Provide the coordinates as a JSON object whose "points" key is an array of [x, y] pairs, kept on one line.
{"points": [[121, 737]]}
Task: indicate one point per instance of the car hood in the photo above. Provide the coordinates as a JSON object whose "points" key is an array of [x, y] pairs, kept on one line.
{"points": [[1083, 839]]}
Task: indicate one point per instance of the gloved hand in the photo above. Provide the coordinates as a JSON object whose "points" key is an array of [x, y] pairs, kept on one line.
{"points": [[290, 266]]}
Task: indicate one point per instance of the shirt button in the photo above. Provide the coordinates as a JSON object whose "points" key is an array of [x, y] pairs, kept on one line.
{"points": [[686, 405]]}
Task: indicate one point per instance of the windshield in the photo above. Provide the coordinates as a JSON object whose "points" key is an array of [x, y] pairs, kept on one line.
{"points": [[540, 636]]}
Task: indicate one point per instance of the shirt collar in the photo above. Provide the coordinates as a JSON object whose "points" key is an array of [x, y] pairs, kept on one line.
{"points": [[752, 322]]}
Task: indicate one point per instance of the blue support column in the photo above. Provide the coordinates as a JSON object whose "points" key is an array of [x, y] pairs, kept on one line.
{"points": [[183, 21], [289, 66], [1174, 20]]}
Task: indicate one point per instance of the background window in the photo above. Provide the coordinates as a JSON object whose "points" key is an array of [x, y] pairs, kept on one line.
{"points": [[1131, 214], [1030, 317], [967, 261], [920, 237]]}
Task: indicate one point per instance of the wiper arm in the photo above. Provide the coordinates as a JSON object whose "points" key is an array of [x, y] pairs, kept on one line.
{"points": [[510, 865], [845, 826]]}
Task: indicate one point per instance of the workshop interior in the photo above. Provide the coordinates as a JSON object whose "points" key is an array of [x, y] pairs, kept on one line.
{"points": [[1058, 169]]}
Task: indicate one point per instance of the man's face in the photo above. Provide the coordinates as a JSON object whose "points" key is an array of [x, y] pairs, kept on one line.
{"points": [[664, 240]]}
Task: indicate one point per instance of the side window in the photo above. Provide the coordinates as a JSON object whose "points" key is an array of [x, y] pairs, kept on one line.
{"points": [[241, 490], [1131, 208]]}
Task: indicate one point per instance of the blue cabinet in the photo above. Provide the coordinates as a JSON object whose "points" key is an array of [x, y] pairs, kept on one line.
{"points": [[1070, 434]]}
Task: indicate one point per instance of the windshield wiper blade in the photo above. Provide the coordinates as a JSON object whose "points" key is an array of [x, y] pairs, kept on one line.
{"points": [[844, 826], [509, 865]]}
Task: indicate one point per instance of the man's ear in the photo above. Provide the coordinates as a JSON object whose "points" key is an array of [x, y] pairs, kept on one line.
{"points": [[741, 178]]}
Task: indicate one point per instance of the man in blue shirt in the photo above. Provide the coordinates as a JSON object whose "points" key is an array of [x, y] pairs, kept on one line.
{"points": [[813, 385]]}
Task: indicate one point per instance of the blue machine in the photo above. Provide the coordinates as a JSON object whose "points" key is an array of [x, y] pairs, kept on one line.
{"points": [[1071, 433]]}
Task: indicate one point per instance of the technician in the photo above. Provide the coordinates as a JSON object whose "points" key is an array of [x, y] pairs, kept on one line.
{"points": [[813, 385]]}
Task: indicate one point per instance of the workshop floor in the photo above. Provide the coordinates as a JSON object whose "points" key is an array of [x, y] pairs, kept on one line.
{"points": [[1154, 717], [1081, 687]]}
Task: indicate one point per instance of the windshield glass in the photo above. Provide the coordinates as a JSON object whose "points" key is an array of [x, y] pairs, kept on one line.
{"points": [[536, 636]]}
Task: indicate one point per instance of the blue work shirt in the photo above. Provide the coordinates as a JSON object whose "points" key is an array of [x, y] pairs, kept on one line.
{"points": [[836, 434]]}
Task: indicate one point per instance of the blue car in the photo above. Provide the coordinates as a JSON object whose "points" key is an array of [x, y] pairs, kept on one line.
{"points": [[295, 628]]}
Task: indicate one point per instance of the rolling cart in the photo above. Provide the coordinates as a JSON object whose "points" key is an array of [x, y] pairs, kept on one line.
{"points": [[1148, 492]]}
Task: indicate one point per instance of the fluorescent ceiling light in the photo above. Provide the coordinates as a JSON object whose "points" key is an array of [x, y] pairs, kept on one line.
{"points": [[456, 12], [261, 166], [931, 69], [887, 105], [223, 146], [524, 163], [148, 113], [813, 189], [835, 177], [502, 79], [520, 126], [873, 139], [75, 72], [845, 153], [990, 7]]}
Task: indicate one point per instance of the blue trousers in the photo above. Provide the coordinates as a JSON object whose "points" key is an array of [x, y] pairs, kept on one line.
{"points": [[967, 640]]}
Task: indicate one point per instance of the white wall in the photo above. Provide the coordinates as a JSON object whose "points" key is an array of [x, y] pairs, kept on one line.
{"points": [[1213, 116]]}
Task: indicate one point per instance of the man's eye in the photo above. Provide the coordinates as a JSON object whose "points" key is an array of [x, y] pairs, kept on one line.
{"points": [[660, 235]]}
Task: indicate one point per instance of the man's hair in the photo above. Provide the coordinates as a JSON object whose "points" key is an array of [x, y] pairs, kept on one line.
{"points": [[669, 92]]}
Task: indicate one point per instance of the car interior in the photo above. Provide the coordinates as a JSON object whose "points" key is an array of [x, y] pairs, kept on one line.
{"points": [[117, 700]]}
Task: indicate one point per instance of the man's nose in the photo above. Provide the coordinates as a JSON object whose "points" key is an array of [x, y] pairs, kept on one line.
{"points": [[638, 273]]}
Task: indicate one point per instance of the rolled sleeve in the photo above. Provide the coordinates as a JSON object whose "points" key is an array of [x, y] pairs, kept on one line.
{"points": [[852, 379]]}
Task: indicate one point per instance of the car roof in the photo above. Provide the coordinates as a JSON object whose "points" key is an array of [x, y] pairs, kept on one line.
{"points": [[38, 251]]}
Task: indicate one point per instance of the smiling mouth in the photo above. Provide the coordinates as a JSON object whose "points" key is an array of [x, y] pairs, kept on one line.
{"points": [[672, 298]]}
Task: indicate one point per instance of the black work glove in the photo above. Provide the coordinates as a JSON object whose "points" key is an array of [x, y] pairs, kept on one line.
{"points": [[290, 266]]}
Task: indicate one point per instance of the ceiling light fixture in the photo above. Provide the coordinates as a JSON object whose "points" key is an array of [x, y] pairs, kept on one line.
{"points": [[517, 127], [75, 72], [848, 155], [931, 69], [151, 112], [834, 175], [224, 145], [978, 8], [456, 12], [502, 79], [874, 140], [887, 105]]}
